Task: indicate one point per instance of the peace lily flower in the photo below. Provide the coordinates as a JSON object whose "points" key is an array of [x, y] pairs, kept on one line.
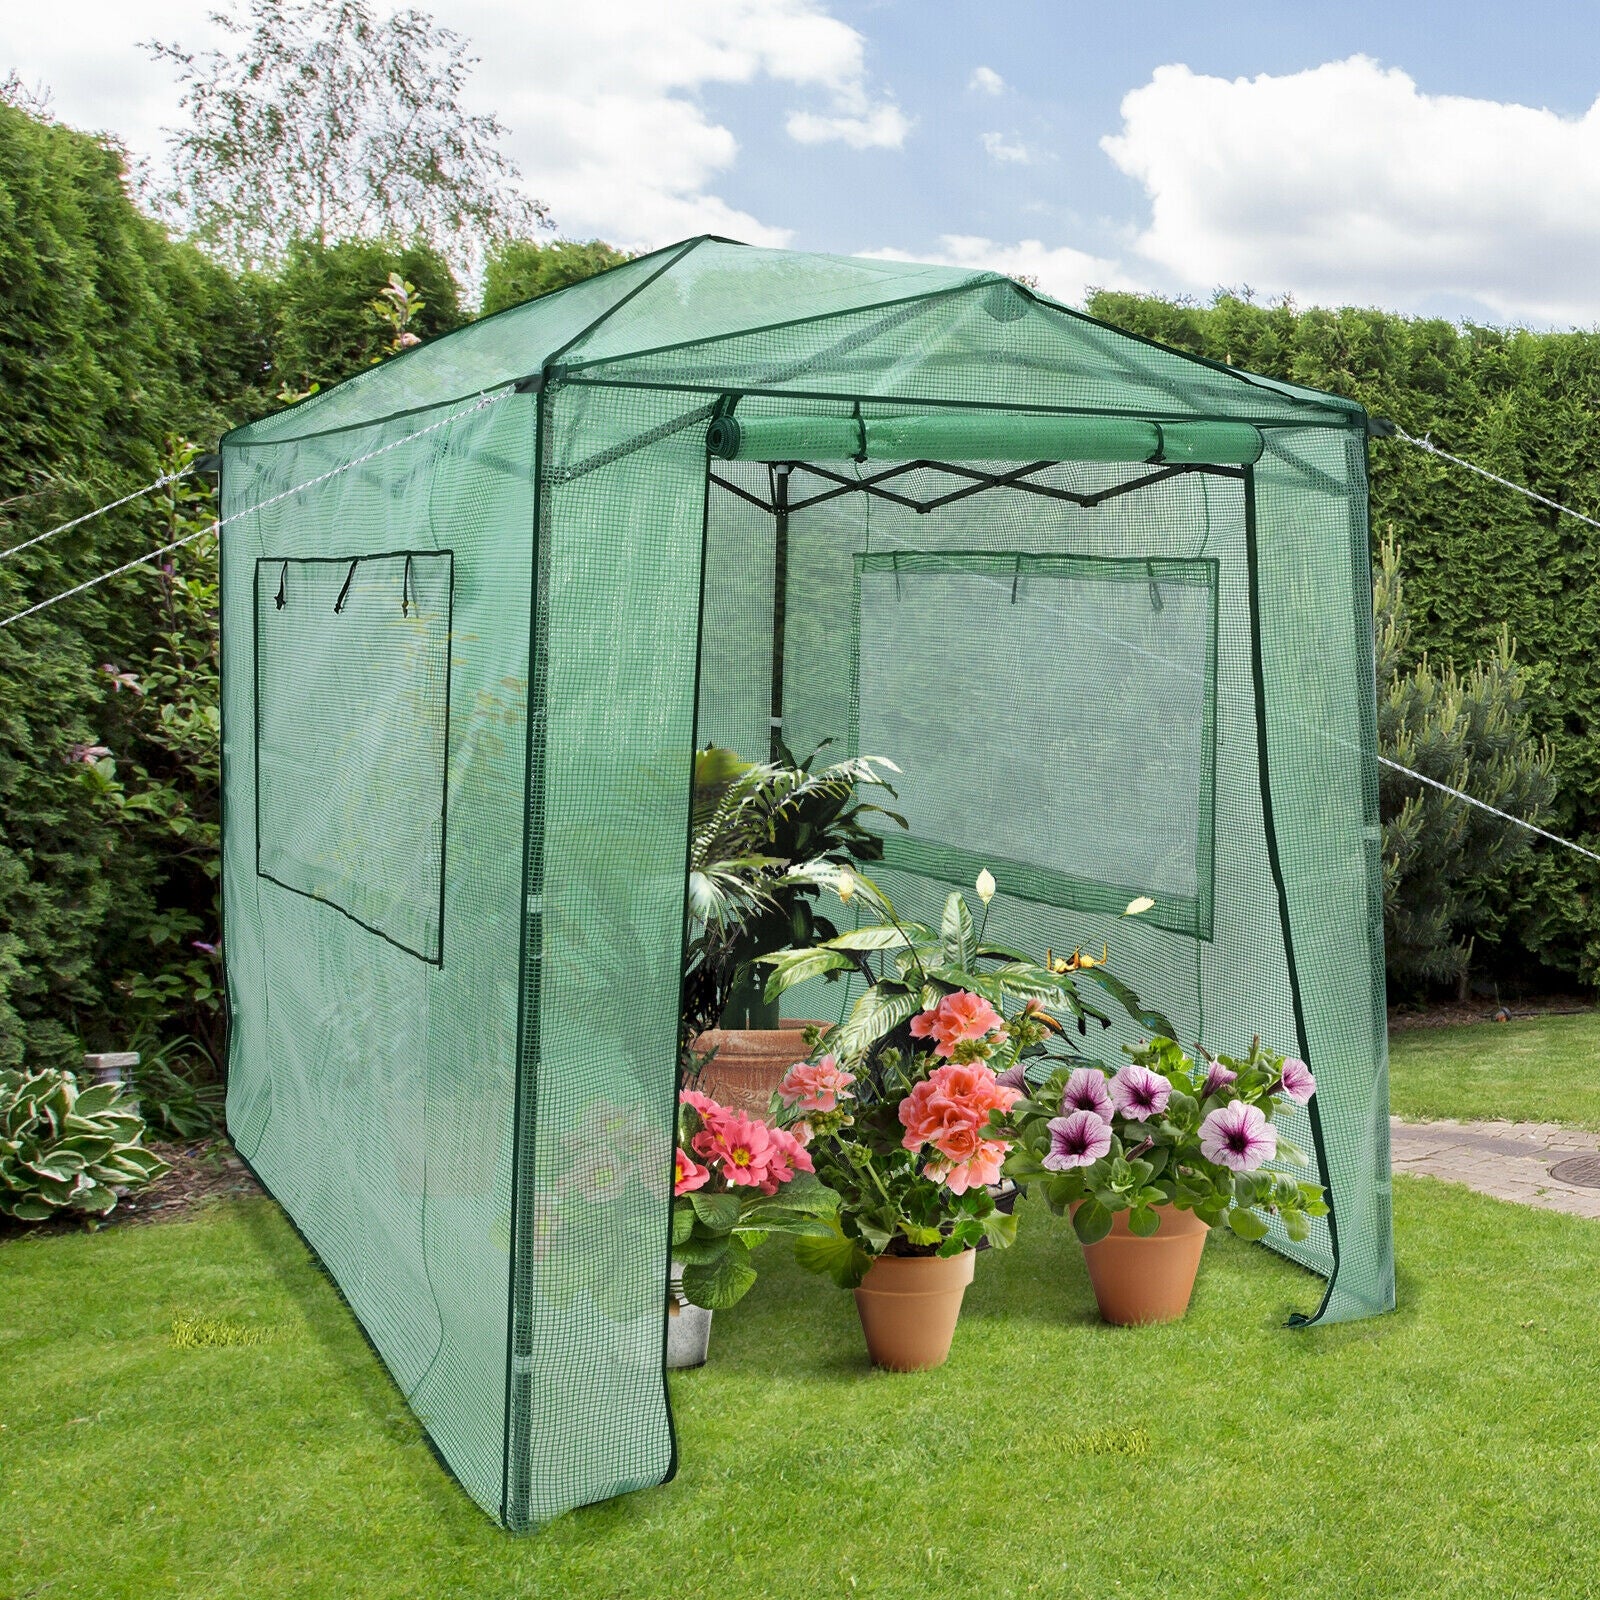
{"points": [[847, 887], [986, 886], [1297, 1082], [1139, 1094], [1138, 907], [1077, 1141], [1238, 1136]]}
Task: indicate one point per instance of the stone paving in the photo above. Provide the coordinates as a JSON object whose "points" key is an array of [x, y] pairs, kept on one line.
{"points": [[1509, 1160]]}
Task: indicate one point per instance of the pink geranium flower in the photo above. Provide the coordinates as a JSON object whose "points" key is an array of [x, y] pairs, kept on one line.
{"points": [[1238, 1136], [1086, 1091], [980, 1168], [958, 1017], [1138, 1093], [1296, 1081], [688, 1174], [1218, 1077], [950, 1108], [1077, 1140], [816, 1085], [741, 1146]]}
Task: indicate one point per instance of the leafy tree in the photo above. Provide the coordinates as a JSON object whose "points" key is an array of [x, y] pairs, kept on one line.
{"points": [[1446, 864], [325, 121], [523, 269], [322, 322]]}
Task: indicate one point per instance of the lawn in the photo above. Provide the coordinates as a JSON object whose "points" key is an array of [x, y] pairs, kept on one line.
{"points": [[1544, 1069], [1447, 1450]]}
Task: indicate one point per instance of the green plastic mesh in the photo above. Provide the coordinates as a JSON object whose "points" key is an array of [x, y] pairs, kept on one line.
{"points": [[465, 673]]}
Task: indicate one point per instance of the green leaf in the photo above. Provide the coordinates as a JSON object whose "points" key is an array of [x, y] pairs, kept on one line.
{"points": [[93, 1101], [682, 1222], [879, 1011], [1247, 1224], [723, 1284], [699, 1249], [799, 966], [877, 938], [837, 1257], [956, 931], [717, 1211], [1000, 1229], [1142, 1222], [1091, 1221], [1154, 1021]]}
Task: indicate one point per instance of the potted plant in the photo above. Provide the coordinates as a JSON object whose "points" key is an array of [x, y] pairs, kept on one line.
{"points": [[907, 1104], [736, 1181], [767, 836], [1152, 1155]]}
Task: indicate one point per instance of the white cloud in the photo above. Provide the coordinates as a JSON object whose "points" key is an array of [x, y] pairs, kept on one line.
{"points": [[1062, 272], [882, 127], [986, 81], [602, 98], [997, 149], [1346, 183]]}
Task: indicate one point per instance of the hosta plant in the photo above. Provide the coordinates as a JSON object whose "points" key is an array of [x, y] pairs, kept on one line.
{"points": [[737, 1180], [1166, 1128], [66, 1149]]}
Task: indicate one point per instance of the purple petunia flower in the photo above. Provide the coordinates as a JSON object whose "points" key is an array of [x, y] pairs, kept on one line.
{"points": [[1297, 1082], [1086, 1091], [1076, 1141], [1139, 1094], [1217, 1077], [1238, 1136], [1013, 1078]]}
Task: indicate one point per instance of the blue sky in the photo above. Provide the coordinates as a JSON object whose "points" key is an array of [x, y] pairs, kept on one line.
{"points": [[1423, 157]]}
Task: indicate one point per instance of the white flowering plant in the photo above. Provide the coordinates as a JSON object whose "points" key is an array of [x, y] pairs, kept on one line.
{"points": [[1167, 1128]]}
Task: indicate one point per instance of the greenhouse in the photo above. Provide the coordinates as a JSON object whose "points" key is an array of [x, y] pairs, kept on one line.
{"points": [[1107, 607]]}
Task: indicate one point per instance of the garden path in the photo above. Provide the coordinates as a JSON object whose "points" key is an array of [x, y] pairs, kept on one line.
{"points": [[1508, 1160]]}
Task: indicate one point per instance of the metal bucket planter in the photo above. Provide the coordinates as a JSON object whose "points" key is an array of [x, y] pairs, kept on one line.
{"points": [[688, 1326]]}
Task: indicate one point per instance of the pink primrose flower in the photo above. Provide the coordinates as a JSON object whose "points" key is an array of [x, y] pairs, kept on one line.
{"points": [[702, 1104], [740, 1146], [688, 1174], [1238, 1136], [788, 1155]]}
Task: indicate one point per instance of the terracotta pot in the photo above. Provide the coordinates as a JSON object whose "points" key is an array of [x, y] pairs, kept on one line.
{"points": [[1140, 1281], [749, 1062], [908, 1307]]}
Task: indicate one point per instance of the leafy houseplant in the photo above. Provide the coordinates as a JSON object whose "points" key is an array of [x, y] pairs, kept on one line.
{"points": [[63, 1149], [1158, 1151], [751, 1180], [767, 837], [907, 1101]]}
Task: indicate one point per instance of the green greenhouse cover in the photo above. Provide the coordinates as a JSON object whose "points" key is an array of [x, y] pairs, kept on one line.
{"points": [[1107, 607]]}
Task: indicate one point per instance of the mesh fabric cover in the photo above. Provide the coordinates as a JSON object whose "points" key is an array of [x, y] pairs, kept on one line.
{"points": [[456, 785]]}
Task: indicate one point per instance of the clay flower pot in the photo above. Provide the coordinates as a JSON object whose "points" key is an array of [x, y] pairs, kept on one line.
{"points": [[1139, 1281], [908, 1307], [749, 1063]]}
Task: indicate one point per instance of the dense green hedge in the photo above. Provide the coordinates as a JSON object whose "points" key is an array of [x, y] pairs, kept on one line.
{"points": [[1524, 405], [114, 343]]}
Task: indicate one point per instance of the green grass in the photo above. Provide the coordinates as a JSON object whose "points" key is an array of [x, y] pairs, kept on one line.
{"points": [[1447, 1450], [1545, 1069]]}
